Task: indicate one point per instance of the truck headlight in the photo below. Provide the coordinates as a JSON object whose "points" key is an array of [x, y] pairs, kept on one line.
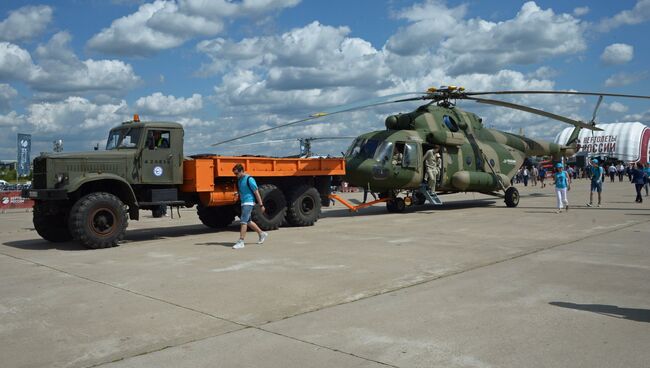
{"points": [[60, 178]]}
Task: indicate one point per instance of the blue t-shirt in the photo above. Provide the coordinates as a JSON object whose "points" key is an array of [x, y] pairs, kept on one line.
{"points": [[246, 188], [638, 176], [561, 180], [596, 174]]}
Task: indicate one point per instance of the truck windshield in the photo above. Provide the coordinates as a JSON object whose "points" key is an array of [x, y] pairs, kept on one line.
{"points": [[123, 138], [362, 148]]}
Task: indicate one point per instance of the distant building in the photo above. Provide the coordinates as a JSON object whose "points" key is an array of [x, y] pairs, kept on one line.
{"points": [[7, 165], [628, 142]]}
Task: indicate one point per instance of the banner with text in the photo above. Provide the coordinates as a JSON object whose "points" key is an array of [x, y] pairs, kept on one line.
{"points": [[23, 164]]}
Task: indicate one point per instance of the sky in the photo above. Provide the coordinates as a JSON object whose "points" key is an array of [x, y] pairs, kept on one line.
{"points": [[73, 69]]}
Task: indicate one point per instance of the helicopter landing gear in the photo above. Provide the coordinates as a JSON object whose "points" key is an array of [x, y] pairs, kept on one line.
{"points": [[512, 197], [396, 205]]}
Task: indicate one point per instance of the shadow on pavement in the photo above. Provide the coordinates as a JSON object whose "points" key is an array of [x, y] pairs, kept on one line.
{"points": [[633, 314], [131, 236], [42, 244], [223, 244]]}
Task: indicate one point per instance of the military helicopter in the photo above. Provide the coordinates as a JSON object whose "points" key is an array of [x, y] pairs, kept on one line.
{"points": [[474, 158]]}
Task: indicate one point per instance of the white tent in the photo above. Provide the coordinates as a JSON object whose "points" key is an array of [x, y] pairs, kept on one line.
{"points": [[625, 141]]}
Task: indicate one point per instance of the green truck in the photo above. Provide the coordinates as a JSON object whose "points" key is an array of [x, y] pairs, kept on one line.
{"points": [[90, 196]]}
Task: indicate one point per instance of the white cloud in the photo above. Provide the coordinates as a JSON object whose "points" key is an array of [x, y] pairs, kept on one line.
{"points": [[617, 53], [76, 120], [224, 8], [615, 107], [16, 63], [7, 93], [25, 23], [306, 67], [431, 22], [166, 24], [75, 114], [624, 79], [643, 117], [580, 11], [160, 105], [60, 71], [532, 36], [477, 45], [639, 14], [11, 120], [130, 35], [543, 72]]}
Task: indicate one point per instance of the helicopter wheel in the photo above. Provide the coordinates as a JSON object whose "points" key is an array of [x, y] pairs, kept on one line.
{"points": [[396, 205], [512, 197]]}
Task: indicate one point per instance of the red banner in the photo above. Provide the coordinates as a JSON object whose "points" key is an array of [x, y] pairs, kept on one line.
{"points": [[9, 200]]}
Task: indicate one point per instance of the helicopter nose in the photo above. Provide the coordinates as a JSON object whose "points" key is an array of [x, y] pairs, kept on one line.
{"points": [[379, 172], [365, 172]]}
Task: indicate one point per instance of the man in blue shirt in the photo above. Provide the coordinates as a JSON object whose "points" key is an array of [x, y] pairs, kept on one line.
{"points": [[248, 193], [596, 182]]}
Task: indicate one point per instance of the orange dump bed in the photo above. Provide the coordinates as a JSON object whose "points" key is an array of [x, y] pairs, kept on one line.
{"points": [[212, 177]]}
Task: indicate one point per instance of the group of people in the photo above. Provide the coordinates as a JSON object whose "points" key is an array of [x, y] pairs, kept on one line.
{"points": [[639, 176]]}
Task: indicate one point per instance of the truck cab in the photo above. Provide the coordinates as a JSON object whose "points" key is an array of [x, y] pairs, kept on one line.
{"points": [[87, 195], [156, 148]]}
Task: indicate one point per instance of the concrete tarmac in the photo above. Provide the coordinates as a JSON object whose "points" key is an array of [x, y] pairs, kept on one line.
{"points": [[471, 283]]}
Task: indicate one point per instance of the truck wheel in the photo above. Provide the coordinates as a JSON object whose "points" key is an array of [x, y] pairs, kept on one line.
{"points": [[396, 205], [275, 205], [98, 220], [216, 217], [304, 206], [51, 226], [512, 197]]}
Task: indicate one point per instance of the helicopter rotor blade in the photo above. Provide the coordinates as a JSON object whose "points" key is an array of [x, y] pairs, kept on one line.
{"points": [[534, 111], [326, 138], [593, 117], [384, 100], [261, 142], [532, 92]]}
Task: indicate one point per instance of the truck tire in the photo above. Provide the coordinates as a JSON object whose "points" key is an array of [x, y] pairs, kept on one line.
{"points": [[98, 220], [51, 226], [512, 197], [275, 205], [304, 206], [216, 217]]}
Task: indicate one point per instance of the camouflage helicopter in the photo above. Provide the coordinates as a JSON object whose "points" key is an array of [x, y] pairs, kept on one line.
{"points": [[473, 158]]}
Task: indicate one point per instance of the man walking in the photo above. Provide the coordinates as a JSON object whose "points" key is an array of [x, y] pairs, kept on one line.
{"points": [[248, 193], [432, 167], [596, 182]]}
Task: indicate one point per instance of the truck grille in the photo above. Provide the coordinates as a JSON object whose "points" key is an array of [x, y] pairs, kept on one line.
{"points": [[39, 180]]}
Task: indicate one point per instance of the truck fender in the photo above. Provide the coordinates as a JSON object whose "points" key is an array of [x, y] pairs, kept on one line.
{"points": [[115, 184]]}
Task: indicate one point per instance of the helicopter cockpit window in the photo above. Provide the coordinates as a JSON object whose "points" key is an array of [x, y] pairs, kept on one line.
{"points": [[362, 148], [450, 123], [384, 151], [410, 155]]}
